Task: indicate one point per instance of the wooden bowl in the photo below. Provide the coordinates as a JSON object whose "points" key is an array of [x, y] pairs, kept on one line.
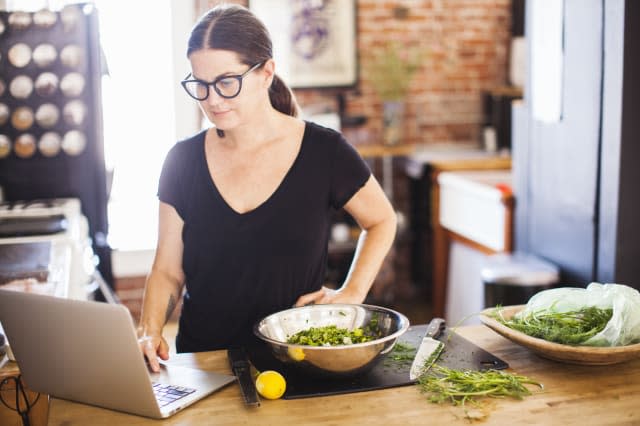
{"points": [[581, 355]]}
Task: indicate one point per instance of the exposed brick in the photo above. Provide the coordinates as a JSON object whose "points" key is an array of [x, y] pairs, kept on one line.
{"points": [[127, 283], [467, 43], [133, 294]]}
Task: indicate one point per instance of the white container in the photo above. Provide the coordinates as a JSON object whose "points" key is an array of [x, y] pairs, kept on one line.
{"points": [[472, 206]]}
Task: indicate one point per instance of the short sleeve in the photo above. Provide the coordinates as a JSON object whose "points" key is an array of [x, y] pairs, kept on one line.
{"points": [[170, 177], [349, 173]]}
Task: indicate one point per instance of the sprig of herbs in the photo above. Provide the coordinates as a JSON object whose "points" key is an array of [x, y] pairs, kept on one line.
{"points": [[462, 387], [443, 384], [402, 352], [372, 329], [391, 68], [571, 328]]}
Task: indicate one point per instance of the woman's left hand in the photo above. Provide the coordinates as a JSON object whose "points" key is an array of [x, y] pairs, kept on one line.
{"points": [[328, 295]]}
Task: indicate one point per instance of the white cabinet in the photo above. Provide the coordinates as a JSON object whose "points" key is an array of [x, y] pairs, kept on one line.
{"points": [[475, 212], [472, 204]]}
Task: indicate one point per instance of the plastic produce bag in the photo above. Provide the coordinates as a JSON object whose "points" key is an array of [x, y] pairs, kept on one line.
{"points": [[622, 329]]}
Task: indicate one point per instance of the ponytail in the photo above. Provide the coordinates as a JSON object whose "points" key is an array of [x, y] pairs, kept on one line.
{"points": [[282, 98]]}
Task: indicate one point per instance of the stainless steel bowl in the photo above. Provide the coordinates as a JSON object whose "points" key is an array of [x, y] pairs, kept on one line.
{"points": [[332, 361]]}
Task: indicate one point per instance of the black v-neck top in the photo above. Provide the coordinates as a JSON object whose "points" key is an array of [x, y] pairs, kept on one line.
{"points": [[241, 267]]}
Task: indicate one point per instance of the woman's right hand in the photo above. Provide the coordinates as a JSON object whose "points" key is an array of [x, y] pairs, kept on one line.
{"points": [[152, 347]]}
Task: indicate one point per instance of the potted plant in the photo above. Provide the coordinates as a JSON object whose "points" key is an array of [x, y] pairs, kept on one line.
{"points": [[391, 69]]}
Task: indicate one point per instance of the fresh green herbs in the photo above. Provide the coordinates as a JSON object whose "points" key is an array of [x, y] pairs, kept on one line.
{"points": [[400, 358], [402, 353], [570, 328], [372, 329], [329, 335], [332, 335], [443, 384], [468, 387], [433, 357]]}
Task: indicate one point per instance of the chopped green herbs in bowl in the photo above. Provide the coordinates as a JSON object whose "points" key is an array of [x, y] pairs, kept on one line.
{"points": [[330, 335], [332, 340]]}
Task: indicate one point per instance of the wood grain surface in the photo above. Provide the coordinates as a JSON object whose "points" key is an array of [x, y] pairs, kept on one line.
{"points": [[572, 395]]}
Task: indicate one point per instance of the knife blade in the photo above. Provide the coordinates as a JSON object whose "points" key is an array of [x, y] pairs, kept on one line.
{"points": [[241, 368], [429, 350]]}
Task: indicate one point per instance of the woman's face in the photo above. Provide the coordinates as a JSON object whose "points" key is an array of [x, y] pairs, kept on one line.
{"points": [[226, 114]]}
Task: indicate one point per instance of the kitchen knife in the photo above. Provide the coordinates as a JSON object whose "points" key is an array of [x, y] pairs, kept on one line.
{"points": [[4, 358], [241, 368], [429, 349]]}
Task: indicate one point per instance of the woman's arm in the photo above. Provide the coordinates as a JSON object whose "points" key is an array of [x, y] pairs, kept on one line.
{"points": [[163, 287], [375, 215]]}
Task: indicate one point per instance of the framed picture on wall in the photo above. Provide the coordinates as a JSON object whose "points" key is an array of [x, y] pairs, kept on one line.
{"points": [[314, 41]]}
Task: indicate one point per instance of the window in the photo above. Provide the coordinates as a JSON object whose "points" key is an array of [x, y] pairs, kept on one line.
{"points": [[141, 98]]}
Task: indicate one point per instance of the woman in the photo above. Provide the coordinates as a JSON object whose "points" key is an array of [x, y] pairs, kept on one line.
{"points": [[245, 207]]}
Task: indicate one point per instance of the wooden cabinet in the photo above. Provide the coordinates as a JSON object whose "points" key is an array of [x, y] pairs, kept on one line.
{"points": [[437, 254]]}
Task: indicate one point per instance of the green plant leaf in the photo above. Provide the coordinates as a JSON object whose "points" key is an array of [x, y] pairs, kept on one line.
{"points": [[392, 67]]}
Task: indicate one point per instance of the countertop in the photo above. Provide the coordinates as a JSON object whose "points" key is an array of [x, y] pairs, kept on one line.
{"points": [[572, 395], [447, 157]]}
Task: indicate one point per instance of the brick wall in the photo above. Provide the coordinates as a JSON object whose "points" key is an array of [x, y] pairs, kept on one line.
{"points": [[466, 44], [129, 291]]}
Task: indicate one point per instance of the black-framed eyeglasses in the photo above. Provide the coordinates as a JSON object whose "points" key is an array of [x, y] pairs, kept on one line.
{"points": [[226, 86], [20, 402]]}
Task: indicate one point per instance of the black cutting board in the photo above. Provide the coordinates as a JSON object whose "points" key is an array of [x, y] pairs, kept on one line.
{"points": [[459, 354]]}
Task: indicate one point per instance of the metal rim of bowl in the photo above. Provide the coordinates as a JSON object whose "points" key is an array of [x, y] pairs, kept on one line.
{"points": [[403, 320]]}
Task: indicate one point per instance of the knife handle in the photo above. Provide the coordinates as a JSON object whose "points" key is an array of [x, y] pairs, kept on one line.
{"points": [[436, 326], [237, 358], [241, 368]]}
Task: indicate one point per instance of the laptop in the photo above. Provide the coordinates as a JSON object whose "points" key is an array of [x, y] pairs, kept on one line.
{"points": [[88, 352]]}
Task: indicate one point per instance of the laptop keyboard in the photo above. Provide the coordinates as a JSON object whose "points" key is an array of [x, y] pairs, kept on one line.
{"points": [[166, 394]]}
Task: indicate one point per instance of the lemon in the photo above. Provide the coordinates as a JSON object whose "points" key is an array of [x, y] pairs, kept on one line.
{"points": [[270, 384], [296, 354]]}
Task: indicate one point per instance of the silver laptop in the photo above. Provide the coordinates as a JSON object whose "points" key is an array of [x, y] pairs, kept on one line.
{"points": [[88, 352]]}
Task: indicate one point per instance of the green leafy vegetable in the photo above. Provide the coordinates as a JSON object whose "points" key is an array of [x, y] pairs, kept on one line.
{"points": [[402, 353], [372, 328], [571, 328], [329, 335], [443, 384]]}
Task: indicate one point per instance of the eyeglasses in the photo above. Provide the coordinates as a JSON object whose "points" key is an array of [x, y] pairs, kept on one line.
{"points": [[226, 86], [21, 402]]}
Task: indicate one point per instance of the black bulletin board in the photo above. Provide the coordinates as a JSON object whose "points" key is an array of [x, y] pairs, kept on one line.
{"points": [[51, 136]]}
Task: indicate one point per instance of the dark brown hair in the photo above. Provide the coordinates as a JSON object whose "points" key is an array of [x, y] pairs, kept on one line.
{"points": [[233, 27]]}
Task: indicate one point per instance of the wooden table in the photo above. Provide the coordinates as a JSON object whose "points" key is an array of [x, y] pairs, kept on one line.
{"points": [[380, 151], [577, 395], [9, 417]]}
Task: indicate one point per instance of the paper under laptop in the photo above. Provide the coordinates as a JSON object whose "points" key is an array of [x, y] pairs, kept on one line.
{"points": [[88, 352]]}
